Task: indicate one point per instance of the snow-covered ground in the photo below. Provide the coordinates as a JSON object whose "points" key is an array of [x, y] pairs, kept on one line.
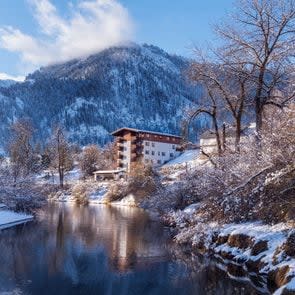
{"points": [[187, 157], [186, 162], [9, 218], [53, 177], [236, 243]]}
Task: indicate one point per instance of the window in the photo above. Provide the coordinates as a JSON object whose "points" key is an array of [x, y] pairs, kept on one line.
{"points": [[147, 143], [159, 162], [153, 153], [173, 146], [147, 152], [159, 153], [163, 154], [125, 148], [171, 155], [153, 144]]}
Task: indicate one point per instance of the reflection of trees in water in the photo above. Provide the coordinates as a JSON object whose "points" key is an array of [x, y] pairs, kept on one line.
{"points": [[99, 250], [210, 279], [125, 234]]}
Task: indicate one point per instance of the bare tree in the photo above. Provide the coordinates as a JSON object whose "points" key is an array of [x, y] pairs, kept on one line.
{"points": [[89, 159], [262, 34], [227, 93], [20, 148], [108, 160], [60, 153]]}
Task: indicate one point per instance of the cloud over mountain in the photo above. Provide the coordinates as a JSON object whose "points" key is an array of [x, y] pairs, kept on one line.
{"points": [[93, 25]]}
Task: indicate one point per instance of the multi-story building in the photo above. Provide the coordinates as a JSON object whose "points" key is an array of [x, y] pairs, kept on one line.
{"points": [[146, 147]]}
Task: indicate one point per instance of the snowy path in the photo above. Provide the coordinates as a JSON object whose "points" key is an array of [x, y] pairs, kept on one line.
{"points": [[10, 218]]}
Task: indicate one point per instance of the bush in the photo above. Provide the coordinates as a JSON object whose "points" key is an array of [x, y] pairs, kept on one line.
{"points": [[80, 193]]}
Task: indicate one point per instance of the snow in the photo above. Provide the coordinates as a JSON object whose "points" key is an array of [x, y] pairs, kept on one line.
{"points": [[289, 287], [109, 171], [191, 209], [10, 218], [48, 176], [193, 230], [127, 201], [185, 157], [99, 197], [275, 235]]}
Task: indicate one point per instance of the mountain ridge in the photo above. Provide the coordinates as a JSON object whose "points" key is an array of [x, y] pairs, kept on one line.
{"points": [[134, 85]]}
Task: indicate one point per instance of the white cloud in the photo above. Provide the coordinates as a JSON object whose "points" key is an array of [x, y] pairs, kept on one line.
{"points": [[93, 26], [4, 76]]}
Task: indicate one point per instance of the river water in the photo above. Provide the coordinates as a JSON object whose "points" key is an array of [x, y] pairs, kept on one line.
{"points": [[98, 249]]}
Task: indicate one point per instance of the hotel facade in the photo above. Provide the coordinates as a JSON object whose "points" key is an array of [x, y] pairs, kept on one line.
{"points": [[146, 147]]}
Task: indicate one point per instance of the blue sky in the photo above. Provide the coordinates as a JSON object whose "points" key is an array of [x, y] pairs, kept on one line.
{"points": [[36, 32]]}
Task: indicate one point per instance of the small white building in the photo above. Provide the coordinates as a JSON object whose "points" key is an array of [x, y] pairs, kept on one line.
{"points": [[208, 142], [146, 147]]}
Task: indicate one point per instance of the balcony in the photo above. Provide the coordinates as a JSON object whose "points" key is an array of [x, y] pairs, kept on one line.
{"points": [[120, 156], [119, 139]]}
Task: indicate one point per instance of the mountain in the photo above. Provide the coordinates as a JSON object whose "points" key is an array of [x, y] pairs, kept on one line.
{"points": [[133, 85], [7, 83]]}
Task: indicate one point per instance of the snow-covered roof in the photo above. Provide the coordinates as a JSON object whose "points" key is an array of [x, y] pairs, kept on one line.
{"points": [[109, 171], [116, 132]]}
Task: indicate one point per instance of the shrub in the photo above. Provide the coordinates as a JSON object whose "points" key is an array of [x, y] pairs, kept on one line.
{"points": [[80, 193]]}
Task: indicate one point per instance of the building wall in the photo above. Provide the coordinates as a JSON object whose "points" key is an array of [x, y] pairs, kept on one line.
{"points": [[208, 145], [126, 161], [152, 149], [157, 153]]}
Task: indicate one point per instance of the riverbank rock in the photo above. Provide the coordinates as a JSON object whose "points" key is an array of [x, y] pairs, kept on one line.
{"points": [[250, 250]]}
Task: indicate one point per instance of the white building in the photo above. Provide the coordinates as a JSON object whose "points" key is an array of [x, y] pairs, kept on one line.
{"points": [[208, 139], [147, 147]]}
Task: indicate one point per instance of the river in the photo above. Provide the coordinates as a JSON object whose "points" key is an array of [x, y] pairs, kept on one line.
{"points": [[97, 249]]}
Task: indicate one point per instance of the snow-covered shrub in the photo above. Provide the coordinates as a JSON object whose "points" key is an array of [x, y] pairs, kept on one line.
{"points": [[80, 193], [255, 184], [116, 192], [23, 194]]}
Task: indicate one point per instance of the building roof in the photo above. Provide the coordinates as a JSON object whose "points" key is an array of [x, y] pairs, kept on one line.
{"points": [[118, 131], [109, 171]]}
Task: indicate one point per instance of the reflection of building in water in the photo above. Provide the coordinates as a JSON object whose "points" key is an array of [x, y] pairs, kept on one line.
{"points": [[126, 233], [132, 240]]}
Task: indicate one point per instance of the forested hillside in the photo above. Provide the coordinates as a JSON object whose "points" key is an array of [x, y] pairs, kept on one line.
{"points": [[135, 86]]}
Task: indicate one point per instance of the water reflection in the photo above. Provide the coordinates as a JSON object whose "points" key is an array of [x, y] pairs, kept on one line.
{"points": [[101, 250]]}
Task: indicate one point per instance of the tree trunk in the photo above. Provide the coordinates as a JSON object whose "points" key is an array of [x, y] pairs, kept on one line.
{"points": [[258, 110], [214, 119], [238, 134], [259, 103], [223, 137], [61, 177]]}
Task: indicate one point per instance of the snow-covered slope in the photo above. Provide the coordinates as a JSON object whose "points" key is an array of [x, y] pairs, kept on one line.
{"points": [[7, 83], [135, 86]]}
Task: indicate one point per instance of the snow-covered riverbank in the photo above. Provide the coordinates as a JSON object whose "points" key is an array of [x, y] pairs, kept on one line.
{"points": [[263, 254], [9, 218]]}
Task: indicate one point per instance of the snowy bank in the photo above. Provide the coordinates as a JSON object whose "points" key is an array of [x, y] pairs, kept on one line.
{"points": [[263, 254], [10, 218], [91, 192]]}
